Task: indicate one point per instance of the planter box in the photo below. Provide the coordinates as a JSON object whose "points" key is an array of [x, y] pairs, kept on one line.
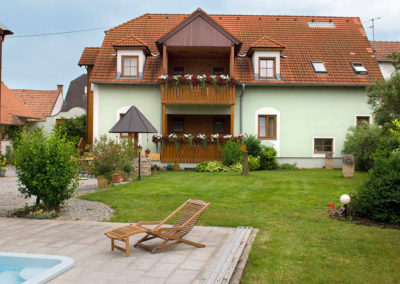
{"points": [[3, 173], [102, 182]]}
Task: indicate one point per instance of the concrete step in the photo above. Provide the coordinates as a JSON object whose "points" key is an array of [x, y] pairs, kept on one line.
{"points": [[222, 269]]}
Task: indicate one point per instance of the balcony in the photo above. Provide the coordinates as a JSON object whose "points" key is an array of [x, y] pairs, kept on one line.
{"points": [[187, 154], [209, 95]]}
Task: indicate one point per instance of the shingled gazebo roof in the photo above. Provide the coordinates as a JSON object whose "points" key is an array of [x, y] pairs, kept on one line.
{"points": [[133, 121]]}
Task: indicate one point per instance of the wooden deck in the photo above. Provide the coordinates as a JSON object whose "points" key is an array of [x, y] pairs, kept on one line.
{"points": [[187, 154]]}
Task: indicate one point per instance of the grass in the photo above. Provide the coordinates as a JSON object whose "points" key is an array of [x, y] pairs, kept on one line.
{"points": [[297, 241]]}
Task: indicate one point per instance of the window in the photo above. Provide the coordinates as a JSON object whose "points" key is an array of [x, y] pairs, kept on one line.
{"points": [[266, 67], [360, 120], [359, 68], [122, 135], [323, 145], [218, 71], [179, 71], [130, 66], [60, 121], [314, 24], [178, 125], [267, 126], [219, 126], [319, 67]]}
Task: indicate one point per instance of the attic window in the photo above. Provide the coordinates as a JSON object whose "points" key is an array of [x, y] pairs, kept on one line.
{"points": [[359, 68], [319, 67], [313, 24]]}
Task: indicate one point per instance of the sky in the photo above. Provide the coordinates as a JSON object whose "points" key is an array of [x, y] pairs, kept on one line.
{"points": [[42, 62]]}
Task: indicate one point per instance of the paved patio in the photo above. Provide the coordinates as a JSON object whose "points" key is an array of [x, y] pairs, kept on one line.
{"points": [[84, 241]]}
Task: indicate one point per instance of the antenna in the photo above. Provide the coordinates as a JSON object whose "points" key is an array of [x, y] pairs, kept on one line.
{"points": [[373, 30]]}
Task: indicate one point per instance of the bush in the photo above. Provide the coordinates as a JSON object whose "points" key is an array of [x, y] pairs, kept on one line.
{"points": [[379, 197], [46, 168], [253, 145], [231, 153], [268, 159], [362, 142], [73, 128], [254, 163], [288, 167], [213, 166]]}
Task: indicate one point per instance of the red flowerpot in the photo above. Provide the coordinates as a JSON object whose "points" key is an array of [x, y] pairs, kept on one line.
{"points": [[116, 178]]}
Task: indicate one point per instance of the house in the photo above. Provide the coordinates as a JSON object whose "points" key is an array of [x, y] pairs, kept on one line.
{"points": [[42, 103], [382, 50], [13, 113], [297, 82]]}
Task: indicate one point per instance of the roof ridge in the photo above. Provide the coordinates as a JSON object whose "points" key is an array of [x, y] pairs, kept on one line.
{"points": [[392, 41]]}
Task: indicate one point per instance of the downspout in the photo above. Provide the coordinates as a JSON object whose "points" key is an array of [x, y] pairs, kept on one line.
{"points": [[241, 109]]}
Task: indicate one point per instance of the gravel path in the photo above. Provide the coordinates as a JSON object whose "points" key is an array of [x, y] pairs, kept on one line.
{"points": [[74, 209]]}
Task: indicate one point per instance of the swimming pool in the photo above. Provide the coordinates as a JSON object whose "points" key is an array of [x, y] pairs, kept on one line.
{"points": [[26, 268]]}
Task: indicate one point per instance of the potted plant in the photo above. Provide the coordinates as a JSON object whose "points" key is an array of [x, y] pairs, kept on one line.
{"points": [[116, 178], [127, 169], [176, 166], [170, 167], [3, 167]]}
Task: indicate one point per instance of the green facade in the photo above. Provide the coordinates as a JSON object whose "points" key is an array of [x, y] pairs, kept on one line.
{"points": [[304, 112]]}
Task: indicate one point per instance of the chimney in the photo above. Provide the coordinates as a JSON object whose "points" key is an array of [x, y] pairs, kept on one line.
{"points": [[60, 89]]}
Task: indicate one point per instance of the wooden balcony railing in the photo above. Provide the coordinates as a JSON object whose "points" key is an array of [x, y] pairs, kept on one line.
{"points": [[187, 154], [201, 96]]}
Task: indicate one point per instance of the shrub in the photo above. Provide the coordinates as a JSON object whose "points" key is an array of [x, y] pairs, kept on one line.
{"points": [[253, 145], [73, 128], [288, 167], [46, 168], [254, 163], [231, 153], [268, 159], [214, 166], [379, 197], [10, 155], [362, 142]]}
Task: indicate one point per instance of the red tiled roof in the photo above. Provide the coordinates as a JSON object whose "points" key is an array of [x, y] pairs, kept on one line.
{"points": [[130, 41], [265, 41], [13, 110], [336, 47], [385, 48], [89, 56], [40, 102]]}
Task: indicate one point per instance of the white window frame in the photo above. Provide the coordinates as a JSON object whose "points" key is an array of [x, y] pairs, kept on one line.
{"points": [[366, 115], [322, 155], [269, 142]]}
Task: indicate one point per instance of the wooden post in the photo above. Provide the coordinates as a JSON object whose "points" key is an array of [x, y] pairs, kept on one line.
{"points": [[245, 164], [165, 60], [130, 140], [232, 117], [90, 99], [232, 62], [164, 120], [135, 143]]}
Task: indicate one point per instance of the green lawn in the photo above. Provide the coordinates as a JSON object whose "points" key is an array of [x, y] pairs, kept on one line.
{"points": [[297, 241]]}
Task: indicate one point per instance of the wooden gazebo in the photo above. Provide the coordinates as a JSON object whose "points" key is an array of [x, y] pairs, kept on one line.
{"points": [[133, 123]]}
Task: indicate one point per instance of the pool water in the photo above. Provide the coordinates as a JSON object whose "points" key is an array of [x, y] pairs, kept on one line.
{"points": [[15, 274], [16, 268]]}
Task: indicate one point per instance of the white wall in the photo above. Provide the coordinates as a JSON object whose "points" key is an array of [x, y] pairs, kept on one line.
{"points": [[58, 105], [386, 68]]}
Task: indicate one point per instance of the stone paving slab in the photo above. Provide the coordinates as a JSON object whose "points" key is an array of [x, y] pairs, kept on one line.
{"points": [[84, 241]]}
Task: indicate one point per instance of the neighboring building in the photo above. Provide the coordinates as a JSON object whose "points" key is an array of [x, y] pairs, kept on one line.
{"points": [[13, 113], [382, 50], [301, 80], [43, 103], [77, 94]]}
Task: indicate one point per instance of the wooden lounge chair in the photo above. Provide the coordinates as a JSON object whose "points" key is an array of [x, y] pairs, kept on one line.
{"points": [[192, 209]]}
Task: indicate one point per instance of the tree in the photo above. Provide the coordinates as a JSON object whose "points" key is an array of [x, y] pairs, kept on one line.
{"points": [[73, 128], [384, 96], [47, 167]]}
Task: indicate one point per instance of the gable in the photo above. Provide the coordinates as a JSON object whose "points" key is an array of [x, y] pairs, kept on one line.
{"points": [[198, 33]]}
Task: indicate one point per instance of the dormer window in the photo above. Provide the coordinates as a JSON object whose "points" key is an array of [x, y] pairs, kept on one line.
{"points": [[266, 66], [359, 68], [130, 66], [319, 67]]}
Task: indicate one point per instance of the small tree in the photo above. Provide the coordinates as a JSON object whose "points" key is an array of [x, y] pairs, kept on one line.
{"points": [[231, 153], [384, 96], [47, 168], [73, 128]]}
